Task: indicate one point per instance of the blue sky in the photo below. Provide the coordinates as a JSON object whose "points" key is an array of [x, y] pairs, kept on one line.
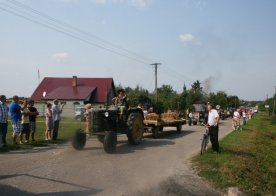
{"points": [[227, 45]]}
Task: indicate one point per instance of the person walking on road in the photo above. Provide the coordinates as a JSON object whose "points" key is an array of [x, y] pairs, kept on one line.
{"points": [[4, 109], [213, 120], [57, 110], [15, 110]]}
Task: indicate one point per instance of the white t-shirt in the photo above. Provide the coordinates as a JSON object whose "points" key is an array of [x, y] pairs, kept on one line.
{"points": [[236, 114], [213, 114]]}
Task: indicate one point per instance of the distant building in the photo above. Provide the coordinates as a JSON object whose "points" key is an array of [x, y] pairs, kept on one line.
{"points": [[75, 91]]}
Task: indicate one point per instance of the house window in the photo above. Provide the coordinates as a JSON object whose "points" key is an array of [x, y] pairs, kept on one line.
{"points": [[76, 103]]}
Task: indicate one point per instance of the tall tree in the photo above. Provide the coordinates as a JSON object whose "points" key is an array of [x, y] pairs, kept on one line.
{"points": [[168, 97], [196, 86]]}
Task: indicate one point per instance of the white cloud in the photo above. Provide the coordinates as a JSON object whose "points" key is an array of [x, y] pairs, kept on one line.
{"points": [[100, 2], [188, 38], [71, 1], [139, 3], [60, 57], [135, 3]]}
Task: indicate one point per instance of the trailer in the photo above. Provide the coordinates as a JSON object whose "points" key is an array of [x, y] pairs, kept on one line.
{"points": [[154, 123]]}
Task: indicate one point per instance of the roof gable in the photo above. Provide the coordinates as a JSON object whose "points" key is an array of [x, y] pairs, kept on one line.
{"points": [[61, 88]]}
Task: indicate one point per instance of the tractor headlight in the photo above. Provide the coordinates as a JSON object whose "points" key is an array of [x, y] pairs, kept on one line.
{"points": [[106, 114]]}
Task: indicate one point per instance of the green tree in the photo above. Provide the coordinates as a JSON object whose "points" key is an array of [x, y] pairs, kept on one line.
{"points": [[233, 101], [196, 86], [221, 99], [168, 97]]}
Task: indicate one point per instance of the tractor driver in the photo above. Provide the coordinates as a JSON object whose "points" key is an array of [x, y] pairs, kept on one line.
{"points": [[121, 101]]}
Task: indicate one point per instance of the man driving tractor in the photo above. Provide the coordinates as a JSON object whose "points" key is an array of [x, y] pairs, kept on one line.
{"points": [[121, 101]]}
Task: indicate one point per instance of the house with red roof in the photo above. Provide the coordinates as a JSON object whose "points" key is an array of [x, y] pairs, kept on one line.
{"points": [[76, 91]]}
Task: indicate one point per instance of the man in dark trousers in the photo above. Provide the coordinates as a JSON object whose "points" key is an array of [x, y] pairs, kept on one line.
{"points": [[3, 120], [57, 110], [213, 120]]}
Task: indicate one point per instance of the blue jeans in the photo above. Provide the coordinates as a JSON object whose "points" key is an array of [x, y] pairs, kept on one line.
{"points": [[3, 133]]}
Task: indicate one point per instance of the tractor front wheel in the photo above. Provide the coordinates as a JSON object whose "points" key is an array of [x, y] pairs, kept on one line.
{"points": [[110, 142], [79, 139]]}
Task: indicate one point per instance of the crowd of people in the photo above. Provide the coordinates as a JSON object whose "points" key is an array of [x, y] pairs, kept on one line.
{"points": [[23, 116]]}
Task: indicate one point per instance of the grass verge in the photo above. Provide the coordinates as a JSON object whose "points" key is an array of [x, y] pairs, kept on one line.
{"points": [[66, 128], [247, 159]]}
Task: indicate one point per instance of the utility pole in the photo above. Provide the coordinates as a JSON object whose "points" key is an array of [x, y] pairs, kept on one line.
{"points": [[274, 101], [38, 76], [155, 71]]}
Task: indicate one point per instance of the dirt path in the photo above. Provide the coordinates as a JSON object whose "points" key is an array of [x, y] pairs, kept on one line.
{"points": [[156, 167]]}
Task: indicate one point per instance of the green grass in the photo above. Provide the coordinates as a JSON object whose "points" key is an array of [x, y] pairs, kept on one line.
{"points": [[66, 128], [247, 159]]}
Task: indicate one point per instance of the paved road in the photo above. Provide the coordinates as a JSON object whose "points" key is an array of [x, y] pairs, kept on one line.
{"points": [[156, 167]]}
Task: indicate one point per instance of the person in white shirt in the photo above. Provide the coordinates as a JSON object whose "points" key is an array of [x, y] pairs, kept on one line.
{"points": [[213, 121], [236, 119]]}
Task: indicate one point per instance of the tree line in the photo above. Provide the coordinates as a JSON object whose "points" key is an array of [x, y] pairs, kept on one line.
{"points": [[168, 98]]}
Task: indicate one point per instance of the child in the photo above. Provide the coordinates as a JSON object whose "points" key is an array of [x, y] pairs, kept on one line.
{"points": [[49, 121]]}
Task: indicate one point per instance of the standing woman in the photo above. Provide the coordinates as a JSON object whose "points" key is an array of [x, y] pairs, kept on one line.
{"points": [[49, 121]]}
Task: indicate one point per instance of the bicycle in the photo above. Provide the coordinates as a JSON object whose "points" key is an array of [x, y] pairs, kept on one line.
{"points": [[205, 140]]}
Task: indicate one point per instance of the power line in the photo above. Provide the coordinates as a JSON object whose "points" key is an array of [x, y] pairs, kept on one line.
{"points": [[70, 34], [27, 13], [64, 24], [176, 74]]}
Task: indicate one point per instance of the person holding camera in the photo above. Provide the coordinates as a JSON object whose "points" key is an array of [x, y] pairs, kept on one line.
{"points": [[57, 110]]}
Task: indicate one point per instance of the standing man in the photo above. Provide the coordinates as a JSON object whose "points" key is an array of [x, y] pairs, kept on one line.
{"points": [[32, 118], [57, 110], [15, 111], [213, 120], [3, 120]]}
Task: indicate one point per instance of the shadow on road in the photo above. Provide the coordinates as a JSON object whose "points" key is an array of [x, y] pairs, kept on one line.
{"points": [[167, 138], [10, 190], [36, 149], [170, 134]]}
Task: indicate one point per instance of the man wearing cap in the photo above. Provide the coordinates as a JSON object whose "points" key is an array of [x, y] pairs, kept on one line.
{"points": [[4, 109], [213, 120], [57, 110]]}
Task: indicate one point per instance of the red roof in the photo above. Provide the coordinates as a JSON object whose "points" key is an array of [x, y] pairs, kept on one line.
{"points": [[64, 89]]}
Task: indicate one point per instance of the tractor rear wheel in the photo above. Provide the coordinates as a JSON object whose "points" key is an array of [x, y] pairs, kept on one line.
{"points": [[135, 128]]}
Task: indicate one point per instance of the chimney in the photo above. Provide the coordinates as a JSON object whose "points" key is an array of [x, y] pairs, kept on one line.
{"points": [[75, 81]]}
